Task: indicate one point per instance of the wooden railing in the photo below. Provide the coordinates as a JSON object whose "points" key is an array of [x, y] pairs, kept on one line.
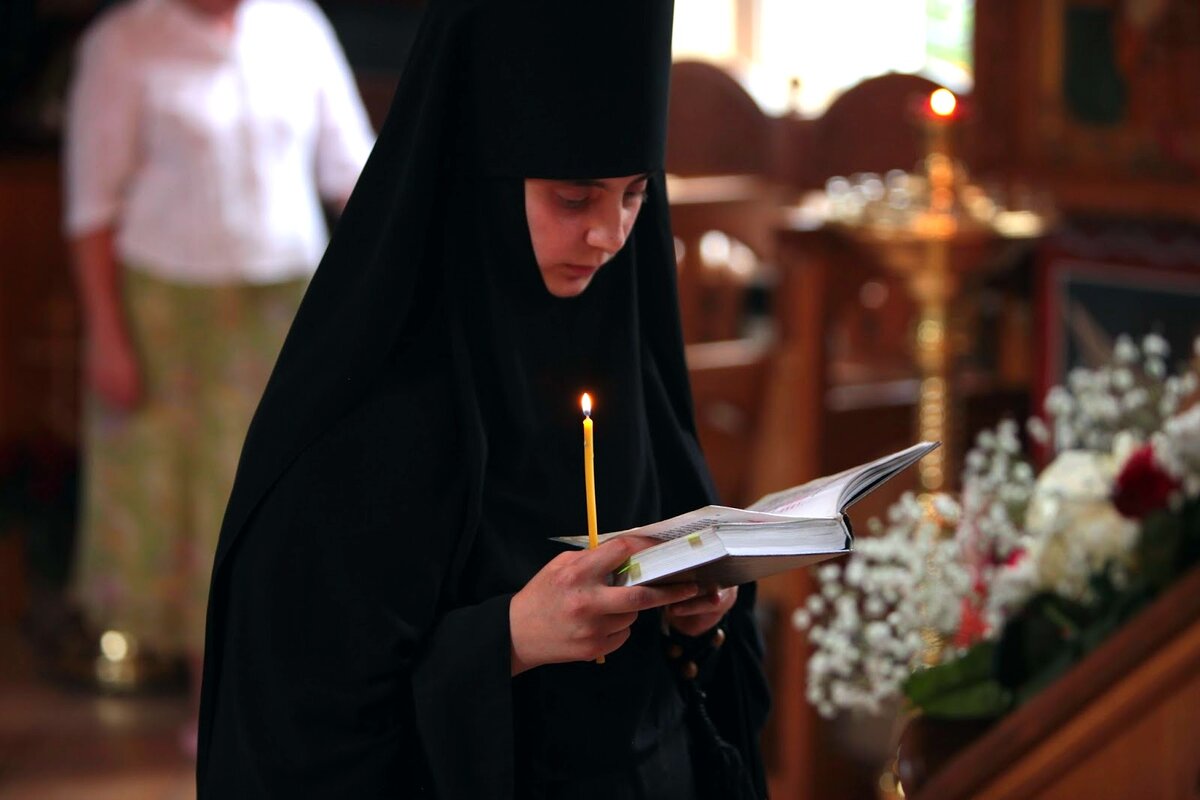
{"points": [[1123, 723]]}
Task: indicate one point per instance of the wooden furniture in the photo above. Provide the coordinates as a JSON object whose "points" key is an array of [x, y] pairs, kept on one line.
{"points": [[833, 386], [714, 127], [720, 202], [1109, 129], [38, 342], [736, 213], [1123, 723], [719, 141], [38, 318]]}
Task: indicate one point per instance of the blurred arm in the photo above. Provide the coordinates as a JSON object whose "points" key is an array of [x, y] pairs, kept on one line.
{"points": [[110, 364], [100, 154], [344, 137]]}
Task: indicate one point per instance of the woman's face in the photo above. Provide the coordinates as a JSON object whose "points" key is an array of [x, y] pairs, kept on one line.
{"points": [[577, 226]]}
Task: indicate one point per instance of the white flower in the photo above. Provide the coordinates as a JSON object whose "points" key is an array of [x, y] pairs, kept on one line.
{"points": [[1122, 379], [1177, 449], [1009, 535], [947, 507], [1124, 350], [1076, 474], [1075, 531], [1037, 430], [1058, 401], [1080, 380], [1124, 444], [877, 635], [1135, 399], [801, 619], [1155, 346]]}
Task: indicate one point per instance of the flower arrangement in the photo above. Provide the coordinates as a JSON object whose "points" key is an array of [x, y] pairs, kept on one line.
{"points": [[966, 606]]}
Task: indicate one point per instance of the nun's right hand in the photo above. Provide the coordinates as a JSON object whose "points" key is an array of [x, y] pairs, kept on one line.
{"points": [[568, 612]]}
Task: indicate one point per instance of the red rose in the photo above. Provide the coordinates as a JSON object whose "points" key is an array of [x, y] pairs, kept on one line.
{"points": [[971, 627], [1142, 486]]}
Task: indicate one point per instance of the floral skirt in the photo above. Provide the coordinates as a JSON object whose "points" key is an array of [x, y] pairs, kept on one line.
{"points": [[156, 480]]}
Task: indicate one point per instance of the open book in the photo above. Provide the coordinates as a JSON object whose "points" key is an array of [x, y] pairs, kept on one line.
{"points": [[782, 531]]}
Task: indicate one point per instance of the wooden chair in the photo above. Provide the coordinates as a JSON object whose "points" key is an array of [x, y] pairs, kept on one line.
{"points": [[719, 151], [722, 216]]}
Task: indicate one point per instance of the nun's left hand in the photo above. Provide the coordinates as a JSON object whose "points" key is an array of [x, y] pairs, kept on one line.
{"points": [[699, 615]]}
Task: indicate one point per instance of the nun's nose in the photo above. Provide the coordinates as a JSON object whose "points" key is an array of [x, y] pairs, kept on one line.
{"points": [[608, 232]]}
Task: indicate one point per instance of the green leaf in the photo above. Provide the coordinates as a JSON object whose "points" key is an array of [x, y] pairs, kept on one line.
{"points": [[1189, 523], [974, 667], [1043, 629], [981, 700], [1159, 547]]}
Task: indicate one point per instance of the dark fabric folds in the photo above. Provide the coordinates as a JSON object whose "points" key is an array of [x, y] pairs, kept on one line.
{"points": [[737, 697], [464, 754], [419, 442], [601, 65], [325, 609]]}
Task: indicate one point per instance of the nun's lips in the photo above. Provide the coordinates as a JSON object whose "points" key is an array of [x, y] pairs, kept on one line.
{"points": [[581, 270]]}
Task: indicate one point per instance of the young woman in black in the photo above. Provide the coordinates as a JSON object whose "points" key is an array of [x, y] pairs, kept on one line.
{"points": [[388, 616]]}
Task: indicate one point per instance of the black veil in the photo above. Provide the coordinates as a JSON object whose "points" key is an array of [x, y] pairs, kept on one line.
{"points": [[419, 437]]}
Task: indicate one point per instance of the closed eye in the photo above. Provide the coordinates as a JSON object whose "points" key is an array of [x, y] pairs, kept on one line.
{"points": [[574, 202]]}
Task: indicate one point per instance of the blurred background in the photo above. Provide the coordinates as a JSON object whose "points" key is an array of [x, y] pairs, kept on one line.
{"points": [[861, 264]]}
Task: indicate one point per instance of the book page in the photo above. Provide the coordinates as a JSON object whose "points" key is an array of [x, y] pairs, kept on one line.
{"points": [[833, 494], [684, 524], [818, 498], [823, 498], [870, 476]]}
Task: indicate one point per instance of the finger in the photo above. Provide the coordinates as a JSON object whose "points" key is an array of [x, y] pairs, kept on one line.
{"points": [[614, 623], [691, 608], [617, 599], [614, 641], [608, 556], [640, 543], [704, 604], [718, 600]]}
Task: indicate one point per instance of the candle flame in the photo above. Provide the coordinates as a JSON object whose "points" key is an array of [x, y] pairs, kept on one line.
{"points": [[942, 102], [585, 403]]}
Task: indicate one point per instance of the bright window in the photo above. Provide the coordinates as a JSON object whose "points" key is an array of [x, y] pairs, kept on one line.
{"points": [[800, 54]]}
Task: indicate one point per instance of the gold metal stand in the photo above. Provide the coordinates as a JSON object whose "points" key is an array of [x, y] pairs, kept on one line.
{"points": [[948, 237]]}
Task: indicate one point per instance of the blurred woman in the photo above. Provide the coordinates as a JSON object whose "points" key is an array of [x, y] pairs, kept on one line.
{"points": [[202, 137]]}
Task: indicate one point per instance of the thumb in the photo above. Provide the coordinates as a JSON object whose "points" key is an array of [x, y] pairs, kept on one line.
{"points": [[610, 555]]}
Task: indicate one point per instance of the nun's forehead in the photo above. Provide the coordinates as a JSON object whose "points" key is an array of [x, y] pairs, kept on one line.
{"points": [[570, 88]]}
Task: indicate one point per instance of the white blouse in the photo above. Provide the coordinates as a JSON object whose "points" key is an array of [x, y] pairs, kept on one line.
{"points": [[208, 149]]}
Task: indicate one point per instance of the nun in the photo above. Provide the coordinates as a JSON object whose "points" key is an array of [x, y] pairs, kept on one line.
{"points": [[388, 614]]}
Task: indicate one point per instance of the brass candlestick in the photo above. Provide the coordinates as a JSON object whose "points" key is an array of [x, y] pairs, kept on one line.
{"points": [[939, 231]]}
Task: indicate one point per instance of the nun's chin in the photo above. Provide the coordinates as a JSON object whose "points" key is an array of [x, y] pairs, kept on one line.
{"points": [[568, 280]]}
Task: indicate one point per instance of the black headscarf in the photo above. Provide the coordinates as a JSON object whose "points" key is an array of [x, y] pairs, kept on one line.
{"points": [[493, 88], [431, 272]]}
